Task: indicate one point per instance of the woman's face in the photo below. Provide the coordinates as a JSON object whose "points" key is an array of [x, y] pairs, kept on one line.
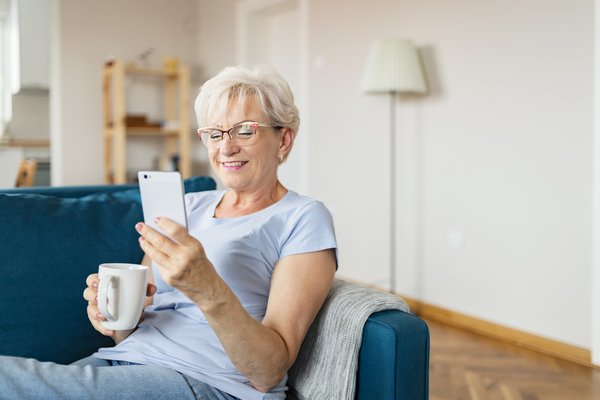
{"points": [[252, 167]]}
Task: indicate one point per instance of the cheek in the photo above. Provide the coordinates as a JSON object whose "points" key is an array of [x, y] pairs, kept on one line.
{"points": [[212, 155]]}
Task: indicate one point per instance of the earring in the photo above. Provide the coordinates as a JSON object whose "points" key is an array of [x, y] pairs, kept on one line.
{"points": [[280, 159]]}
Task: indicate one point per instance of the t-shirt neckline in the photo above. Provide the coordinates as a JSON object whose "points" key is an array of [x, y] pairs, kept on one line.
{"points": [[219, 197]]}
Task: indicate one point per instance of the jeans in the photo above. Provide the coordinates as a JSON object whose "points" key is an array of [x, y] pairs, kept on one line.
{"points": [[95, 378]]}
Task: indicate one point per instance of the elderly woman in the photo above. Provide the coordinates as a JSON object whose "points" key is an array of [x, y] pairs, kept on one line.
{"points": [[233, 298]]}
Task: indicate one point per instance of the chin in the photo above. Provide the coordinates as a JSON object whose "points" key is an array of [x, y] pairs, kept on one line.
{"points": [[232, 183]]}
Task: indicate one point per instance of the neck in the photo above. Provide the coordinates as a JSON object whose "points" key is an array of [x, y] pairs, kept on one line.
{"points": [[236, 203]]}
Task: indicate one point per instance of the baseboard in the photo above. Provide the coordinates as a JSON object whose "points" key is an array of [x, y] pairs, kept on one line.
{"points": [[502, 333]]}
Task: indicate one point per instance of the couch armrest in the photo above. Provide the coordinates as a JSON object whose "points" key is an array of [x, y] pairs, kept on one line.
{"points": [[393, 362]]}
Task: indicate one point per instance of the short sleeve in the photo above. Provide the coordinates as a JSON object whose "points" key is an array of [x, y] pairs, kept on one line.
{"points": [[310, 230]]}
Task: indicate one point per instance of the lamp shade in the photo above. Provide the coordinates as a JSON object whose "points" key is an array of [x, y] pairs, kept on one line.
{"points": [[393, 65]]}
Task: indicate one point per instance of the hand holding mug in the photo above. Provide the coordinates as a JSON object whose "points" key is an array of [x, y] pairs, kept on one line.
{"points": [[121, 296]]}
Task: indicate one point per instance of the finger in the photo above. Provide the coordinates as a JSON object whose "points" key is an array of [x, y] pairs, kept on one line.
{"points": [[90, 295], [157, 239], [96, 319], [94, 313], [175, 231], [155, 254], [92, 280]]}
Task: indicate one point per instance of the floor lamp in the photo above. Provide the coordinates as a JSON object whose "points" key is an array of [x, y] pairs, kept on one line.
{"points": [[393, 67]]}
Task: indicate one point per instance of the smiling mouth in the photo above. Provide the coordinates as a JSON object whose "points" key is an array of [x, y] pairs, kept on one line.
{"points": [[234, 164]]}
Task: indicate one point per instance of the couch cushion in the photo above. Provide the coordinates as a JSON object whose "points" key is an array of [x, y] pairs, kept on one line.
{"points": [[49, 246]]}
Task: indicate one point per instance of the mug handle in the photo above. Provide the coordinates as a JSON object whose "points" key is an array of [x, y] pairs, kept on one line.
{"points": [[108, 297]]}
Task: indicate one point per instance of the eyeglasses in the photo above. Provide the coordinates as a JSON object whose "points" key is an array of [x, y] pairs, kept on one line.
{"points": [[243, 133]]}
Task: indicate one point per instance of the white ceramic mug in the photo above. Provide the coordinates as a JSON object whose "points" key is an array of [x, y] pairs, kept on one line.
{"points": [[121, 294]]}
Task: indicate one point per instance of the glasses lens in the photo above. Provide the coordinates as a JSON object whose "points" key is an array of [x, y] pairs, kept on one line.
{"points": [[211, 137], [244, 132]]}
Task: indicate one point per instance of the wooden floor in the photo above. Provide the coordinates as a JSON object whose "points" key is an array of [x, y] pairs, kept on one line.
{"points": [[467, 366]]}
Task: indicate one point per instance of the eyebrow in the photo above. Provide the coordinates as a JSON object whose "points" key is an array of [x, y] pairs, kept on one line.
{"points": [[237, 123], [241, 122]]}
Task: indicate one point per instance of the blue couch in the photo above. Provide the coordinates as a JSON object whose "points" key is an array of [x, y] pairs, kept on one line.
{"points": [[51, 239]]}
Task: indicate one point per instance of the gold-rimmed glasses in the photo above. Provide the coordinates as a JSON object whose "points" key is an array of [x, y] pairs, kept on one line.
{"points": [[244, 134]]}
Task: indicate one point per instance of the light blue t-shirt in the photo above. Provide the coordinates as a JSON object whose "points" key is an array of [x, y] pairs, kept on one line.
{"points": [[244, 251]]}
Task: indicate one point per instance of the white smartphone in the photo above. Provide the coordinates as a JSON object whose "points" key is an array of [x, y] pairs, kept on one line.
{"points": [[162, 196]]}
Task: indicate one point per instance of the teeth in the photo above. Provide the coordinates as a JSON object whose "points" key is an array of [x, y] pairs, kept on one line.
{"points": [[233, 164]]}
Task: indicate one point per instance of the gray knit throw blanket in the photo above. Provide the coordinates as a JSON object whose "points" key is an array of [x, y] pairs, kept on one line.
{"points": [[328, 360]]}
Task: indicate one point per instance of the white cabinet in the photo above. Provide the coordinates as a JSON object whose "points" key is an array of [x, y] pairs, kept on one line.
{"points": [[29, 27]]}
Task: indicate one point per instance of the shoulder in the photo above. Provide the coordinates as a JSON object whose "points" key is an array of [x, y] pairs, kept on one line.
{"points": [[300, 205], [305, 213], [308, 227]]}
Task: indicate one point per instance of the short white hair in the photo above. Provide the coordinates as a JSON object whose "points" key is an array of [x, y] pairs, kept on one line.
{"points": [[269, 88]]}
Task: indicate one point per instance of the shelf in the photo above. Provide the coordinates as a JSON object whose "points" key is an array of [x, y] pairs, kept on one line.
{"points": [[25, 142], [143, 131], [135, 70], [150, 131], [176, 133]]}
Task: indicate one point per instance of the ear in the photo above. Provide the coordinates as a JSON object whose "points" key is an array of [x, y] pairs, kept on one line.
{"points": [[287, 141]]}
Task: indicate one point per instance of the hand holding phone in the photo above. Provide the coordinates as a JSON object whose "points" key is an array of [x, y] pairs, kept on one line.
{"points": [[162, 196]]}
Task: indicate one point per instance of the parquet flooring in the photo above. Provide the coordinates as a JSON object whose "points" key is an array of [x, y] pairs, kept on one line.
{"points": [[466, 366]]}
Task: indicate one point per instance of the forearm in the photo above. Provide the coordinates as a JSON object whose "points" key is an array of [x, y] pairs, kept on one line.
{"points": [[257, 351]]}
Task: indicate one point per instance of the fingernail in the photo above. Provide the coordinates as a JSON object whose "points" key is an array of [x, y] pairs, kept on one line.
{"points": [[138, 227], [141, 239], [99, 317], [156, 220], [95, 285]]}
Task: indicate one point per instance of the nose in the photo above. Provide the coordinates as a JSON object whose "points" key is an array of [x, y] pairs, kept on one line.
{"points": [[228, 145]]}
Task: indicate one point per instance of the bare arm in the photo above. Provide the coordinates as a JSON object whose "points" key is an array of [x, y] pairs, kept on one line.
{"points": [[262, 350]]}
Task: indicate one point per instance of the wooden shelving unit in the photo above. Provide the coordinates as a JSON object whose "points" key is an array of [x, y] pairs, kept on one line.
{"points": [[116, 132]]}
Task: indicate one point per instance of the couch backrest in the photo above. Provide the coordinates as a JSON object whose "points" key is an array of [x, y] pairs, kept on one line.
{"points": [[194, 184]]}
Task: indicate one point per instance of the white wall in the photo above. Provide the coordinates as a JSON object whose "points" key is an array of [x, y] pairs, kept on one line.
{"points": [[88, 33], [499, 152], [216, 35]]}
